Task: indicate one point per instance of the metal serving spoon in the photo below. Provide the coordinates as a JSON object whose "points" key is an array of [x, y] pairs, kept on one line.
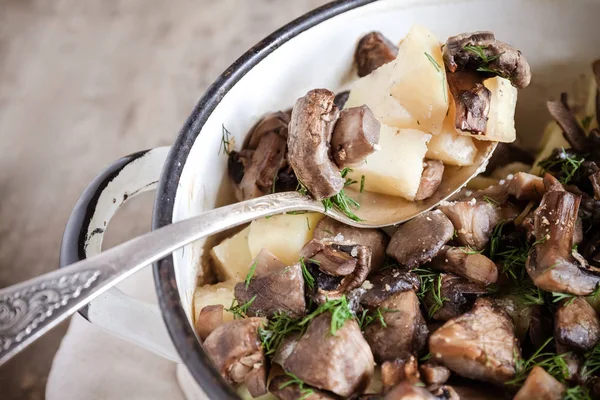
{"points": [[114, 265]]}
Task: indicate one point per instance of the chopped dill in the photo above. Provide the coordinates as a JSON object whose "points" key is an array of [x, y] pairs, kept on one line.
{"points": [[426, 279], [577, 393], [225, 146], [470, 250], [479, 51], [278, 327], [553, 363], [240, 311], [364, 319], [591, 362], [495, 239], [568, 165], [304, 391], [586, 122], [490, 201], [425, 357], [556, 297], [251, 273], [300, 188], [433, 62], [438, 300], [533, 295], [308, 278], [455, 234], [362, 183]]}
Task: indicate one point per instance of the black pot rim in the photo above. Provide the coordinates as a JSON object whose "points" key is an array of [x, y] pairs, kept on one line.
{"points": [[173, 313]]}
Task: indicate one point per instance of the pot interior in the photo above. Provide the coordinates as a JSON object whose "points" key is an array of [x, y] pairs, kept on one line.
{"points": [[559, 39]]}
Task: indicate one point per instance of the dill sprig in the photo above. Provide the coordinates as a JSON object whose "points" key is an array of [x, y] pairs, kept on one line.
{"points": [[426, 280], [586, 122], [495, 239], [553, 363], [240, 311], [577, 393], [225, 146], [340, 313], [304, 391], [366, 319], [362, 183], [470, 250], [341, 201], [490, 201], [425, 357], [251, 273], [433, 62], [438, 300], [308, 278], [568, 165], [556, 297], [591, 362], [479, 51]]}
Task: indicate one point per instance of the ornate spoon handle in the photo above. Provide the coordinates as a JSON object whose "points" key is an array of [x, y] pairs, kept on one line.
{"points": [[31, 308]]}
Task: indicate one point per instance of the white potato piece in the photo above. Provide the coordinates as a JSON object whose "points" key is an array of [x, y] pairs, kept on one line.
{"points": [[283, 235], [232, 257], [500, 126], [419, 79], [210, 295], [396, 168], [450, 147], [374, 91]]}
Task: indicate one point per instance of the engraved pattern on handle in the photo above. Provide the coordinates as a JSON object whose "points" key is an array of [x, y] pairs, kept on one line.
{"points": [[30, 309], [22, 310]]}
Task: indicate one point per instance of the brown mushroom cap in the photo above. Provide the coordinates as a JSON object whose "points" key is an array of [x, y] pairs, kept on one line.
{"points": [[209, 319], [311, 126], [235, 348], [355, 136], [434, 374], [340, 363], [431, 178], [329, 228], [405, 332], [479, 344], [373, 50], [420, 239], [462, 52], [387, 283], [395, 371], [474, 267], [540, 385], [577, 325], [472, 101]]}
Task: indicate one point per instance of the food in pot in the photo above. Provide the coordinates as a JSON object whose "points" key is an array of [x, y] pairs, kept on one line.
{"points": [[500, 285]]}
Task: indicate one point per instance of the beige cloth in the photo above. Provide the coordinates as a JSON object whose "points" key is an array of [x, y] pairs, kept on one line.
{"points": [[92, 364]]}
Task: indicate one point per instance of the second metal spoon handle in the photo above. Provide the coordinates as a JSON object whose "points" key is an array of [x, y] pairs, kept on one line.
{"points": [[31, 308]]}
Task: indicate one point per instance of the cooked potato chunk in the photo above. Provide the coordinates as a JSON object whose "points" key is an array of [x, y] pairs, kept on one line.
{"points": [[283, 235], [374, 91], [232, 257], [450, 147], [208, 295], [419, 79], [500, 126], [396, 168]]}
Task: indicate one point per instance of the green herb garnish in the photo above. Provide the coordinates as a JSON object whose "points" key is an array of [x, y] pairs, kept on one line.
{"points": [[304, 391], [225, 141], [278, 327], [553, 363], [568, 165], [556, 297], [577, 393], [438, 300], [251, 273], [470, 250], [240, 311], [362, 183], [490, 201], [308, 278], [586, 122], [433, 62]]}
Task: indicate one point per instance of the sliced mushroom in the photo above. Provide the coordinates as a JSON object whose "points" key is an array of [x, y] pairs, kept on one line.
{"points": [[283, 388], [266, 161], [280, 290], [311, 125], [540, 385], [577, 325], [572, 129], [341, 363], [520, 313], [403, 331], [464, 51], [479, 344], [341, 98], [235, 349], [434, 374], [373, 50], [385, 284], [266, 262], [433, 171], [551, 264], [473, 220], [470, 265], [420, 239], [276, 122], [328, 228], [337, 268], [408, 391], [526, 186], [458, 295], [355, 136], [209, 319], [401, 370], [472, 101]]}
